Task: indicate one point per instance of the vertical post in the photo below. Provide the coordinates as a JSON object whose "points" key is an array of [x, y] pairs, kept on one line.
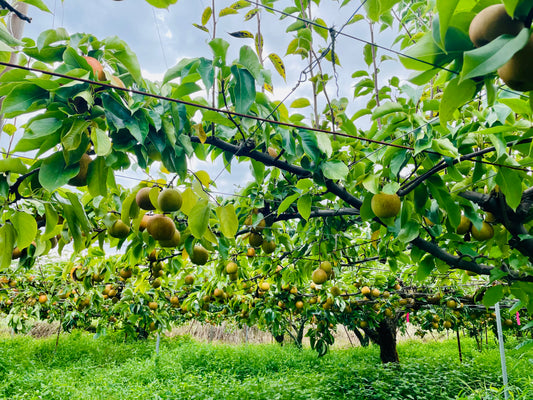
{"points": [[158, 339], [502, 350], [459, 346], [246, 334]]}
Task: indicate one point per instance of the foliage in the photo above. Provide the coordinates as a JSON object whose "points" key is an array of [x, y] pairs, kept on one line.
{"points": [[450, 142]]}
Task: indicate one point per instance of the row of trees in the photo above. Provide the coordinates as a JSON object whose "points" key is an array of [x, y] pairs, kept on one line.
{"points": [[429, 180]]}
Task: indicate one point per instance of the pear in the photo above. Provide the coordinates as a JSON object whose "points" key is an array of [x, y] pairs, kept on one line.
{"points": [[492, 22]]}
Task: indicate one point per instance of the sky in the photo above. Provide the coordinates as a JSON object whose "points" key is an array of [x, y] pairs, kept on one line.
{"points": [[161, 38]]}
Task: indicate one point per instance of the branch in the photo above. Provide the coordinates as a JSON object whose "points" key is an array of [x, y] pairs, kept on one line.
{"points": [[442, 165], [256, 155], [7, 6], [318, 214]]}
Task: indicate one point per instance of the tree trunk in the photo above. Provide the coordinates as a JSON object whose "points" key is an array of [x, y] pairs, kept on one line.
{"points": [[387, 341], [385, 337]]}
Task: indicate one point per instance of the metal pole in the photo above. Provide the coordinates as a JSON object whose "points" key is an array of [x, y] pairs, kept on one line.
{"points": [[502, 350], [459, 346], [157, 344]]}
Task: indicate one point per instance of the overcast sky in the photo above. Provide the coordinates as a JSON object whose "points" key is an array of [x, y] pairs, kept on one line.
{"points": [[160, 38]]}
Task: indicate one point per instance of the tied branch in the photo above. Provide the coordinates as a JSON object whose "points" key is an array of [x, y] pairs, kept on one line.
{"points": [[5, 5]]}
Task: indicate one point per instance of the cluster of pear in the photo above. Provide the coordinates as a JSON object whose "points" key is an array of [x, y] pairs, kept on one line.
{"points": [[485, 233], [322, 273], [160, 226], [232, 269], [492, 22], [256, 239]]}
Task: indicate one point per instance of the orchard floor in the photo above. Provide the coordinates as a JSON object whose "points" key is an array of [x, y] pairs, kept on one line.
{"points": [[108, 368]]}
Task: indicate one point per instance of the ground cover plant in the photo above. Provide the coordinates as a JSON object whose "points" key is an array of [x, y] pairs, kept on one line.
{"points": [[109, 368]]}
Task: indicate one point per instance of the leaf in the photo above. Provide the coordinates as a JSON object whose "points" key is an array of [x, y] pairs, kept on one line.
{"points": [[189, 200], [278, 64], [52, 219], [385, 109], [72, 139], [492, 295], [285, 204], [227, 11], [445, 10], [25, 227], [7, 244], [220, 49], [445, 147], [161, 3], [244, 89], [300, 103], [217, 118], [54, 173], [229, 223], [250, 14], [242, 34], [23, 99], [97, 177], [455, 95], [510, 184], [304, 206], [199, 218], [198, 130], [334, 169], [427, 264], [14, 165], [487, 59], [201, 27], [206, 15], [102, 143]]}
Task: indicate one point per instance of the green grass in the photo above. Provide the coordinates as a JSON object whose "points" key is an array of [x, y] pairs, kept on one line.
{"points": [[108, 368]]}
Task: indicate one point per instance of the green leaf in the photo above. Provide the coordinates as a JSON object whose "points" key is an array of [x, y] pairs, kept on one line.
{"points": [[52, 219], [7, 38], [199, 218], [376, 8], [305, 184], [72, 139], [102, 143], [130, 209], [427, 264], [300, 103], [24, 98], [7, 244], [455, 95], [487, 59], [445, 147], [304, 206], [26, 228], [510, 184], [285, 204], [79, 211], [50, 36], [409, 231], [220, 49], [161, 3], [14, 165], [39, 4], [385, 109], [229, 223], [334, 169], [54, 173], [310, 144], [97, 177], [244, 89], [446, 10], [492, 295], [217, 118]]}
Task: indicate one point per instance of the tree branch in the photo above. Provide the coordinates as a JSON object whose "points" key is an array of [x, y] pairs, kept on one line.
{"points": [[7, 6]]}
